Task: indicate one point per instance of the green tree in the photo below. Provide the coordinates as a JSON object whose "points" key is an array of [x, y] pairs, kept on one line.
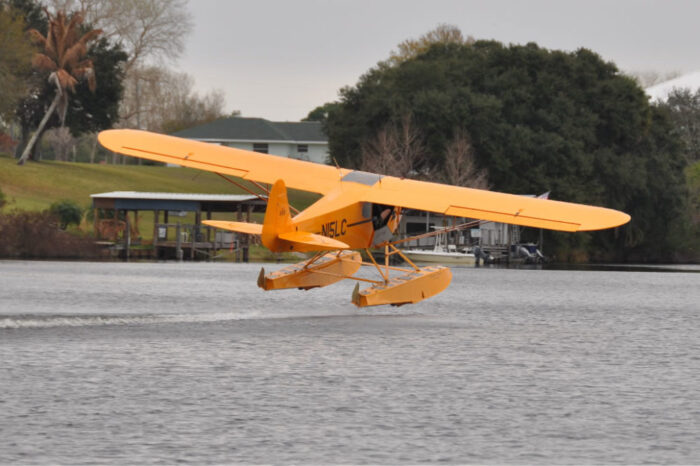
{"points": [[30, 10], [64, 53], [321, 112], [684, 107], [693, 177], [87, 111], [15, 60], [34, 18], [67, 212], [538, 120], [94, 111]]}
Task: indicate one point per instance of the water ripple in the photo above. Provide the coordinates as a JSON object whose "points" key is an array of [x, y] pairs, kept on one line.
{"points": [[191, 363]]}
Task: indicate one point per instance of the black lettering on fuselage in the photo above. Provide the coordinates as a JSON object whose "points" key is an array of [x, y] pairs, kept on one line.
{"points": [[333, 230]]}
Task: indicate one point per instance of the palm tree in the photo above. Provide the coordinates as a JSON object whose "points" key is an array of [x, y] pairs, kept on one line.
{"points": [[64, 51]]}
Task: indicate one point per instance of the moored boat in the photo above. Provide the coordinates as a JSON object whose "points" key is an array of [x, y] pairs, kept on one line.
{"points": [[442, 253]]}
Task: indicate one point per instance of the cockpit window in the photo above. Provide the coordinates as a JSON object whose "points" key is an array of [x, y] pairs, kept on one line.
{"points": [[381, 214]]}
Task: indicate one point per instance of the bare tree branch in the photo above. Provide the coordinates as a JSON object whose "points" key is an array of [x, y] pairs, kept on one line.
{"points": [[161, 100], [442, 34], [460, 164], [396, 151]]}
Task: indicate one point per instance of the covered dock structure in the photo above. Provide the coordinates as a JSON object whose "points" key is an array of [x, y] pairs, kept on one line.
{"points": [[116, 223]]}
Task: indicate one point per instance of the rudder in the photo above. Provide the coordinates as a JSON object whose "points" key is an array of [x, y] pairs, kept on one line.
{"points": [[278, 220]]}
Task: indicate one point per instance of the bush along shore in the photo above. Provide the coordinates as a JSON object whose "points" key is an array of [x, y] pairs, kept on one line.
{"points": [[37, 235]]}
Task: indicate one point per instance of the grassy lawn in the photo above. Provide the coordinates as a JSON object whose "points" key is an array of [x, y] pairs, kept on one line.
{"points": [[36, 185]]}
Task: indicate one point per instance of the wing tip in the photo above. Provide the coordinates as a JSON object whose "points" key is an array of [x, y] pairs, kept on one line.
{"points": [[107, 138], [112, 138], [611, 219]]}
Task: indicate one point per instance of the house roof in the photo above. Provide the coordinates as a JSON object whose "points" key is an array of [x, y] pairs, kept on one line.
{"points": [[174, 196], [130, 200], [255, 129]]}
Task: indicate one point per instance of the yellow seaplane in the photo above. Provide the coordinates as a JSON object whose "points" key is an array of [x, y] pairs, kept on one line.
{"points": [[357, 211]]}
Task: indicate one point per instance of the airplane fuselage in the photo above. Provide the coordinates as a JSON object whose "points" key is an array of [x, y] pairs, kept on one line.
{"points": [[359, 225]]}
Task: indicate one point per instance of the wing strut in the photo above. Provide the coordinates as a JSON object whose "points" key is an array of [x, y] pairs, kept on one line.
{"points": [[250, 191]]}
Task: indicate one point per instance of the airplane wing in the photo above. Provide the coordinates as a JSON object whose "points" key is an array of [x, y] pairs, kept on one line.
{"points": [[366, 187], [263, 168], [494, 206]]}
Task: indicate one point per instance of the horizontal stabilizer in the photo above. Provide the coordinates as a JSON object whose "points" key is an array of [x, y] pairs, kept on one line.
{"points": [[305, 241], [239, 227]]}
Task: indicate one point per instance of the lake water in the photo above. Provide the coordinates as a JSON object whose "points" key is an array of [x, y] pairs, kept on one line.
{"points": [[116, 363]]}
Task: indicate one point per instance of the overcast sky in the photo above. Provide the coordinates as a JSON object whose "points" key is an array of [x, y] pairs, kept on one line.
{"points": [[280, 59]]}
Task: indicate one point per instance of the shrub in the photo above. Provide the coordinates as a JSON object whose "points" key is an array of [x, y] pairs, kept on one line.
{"points": [[68, 212], [33, 235]]}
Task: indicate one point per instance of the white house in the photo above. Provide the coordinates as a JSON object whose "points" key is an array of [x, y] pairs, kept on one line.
{"points": [[662, 90], [298, 140]]}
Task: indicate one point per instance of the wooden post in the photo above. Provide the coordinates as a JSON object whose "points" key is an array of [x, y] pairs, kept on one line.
{"points": [[209, 244], [127, 236], [193, 234], [156, 217], [178, 243], [165, 221], [136, 222], [208, 229], [455, 234], [196, 231], [239, 237], [94, 222], [247, 237], [508, 227]]}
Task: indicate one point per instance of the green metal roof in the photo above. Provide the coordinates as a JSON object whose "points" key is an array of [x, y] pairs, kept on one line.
{"points": [[255, 129]]}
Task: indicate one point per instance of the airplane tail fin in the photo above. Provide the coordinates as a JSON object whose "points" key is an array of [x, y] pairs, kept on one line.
{"points": [[278, 220], [279, 233]]}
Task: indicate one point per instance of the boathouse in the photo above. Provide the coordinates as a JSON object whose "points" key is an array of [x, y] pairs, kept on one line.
{"points": [[177, 230]]}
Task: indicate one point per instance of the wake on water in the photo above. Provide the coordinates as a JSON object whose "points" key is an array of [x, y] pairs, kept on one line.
{"points": [[46, 321], [33, 321]]}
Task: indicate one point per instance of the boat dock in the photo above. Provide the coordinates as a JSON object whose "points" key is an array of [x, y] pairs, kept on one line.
{"points": [[116, 224]]}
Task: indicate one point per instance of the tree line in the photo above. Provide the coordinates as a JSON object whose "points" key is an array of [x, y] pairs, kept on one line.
{"points": [[514, 118], [528, 120], [104, 63]]}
